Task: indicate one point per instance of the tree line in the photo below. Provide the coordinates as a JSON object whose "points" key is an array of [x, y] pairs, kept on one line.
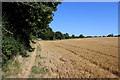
{"points": [[49, 34], [20, 22]]}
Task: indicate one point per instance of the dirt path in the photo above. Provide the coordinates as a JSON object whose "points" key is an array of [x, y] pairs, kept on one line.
{"points": [[80, 58], [27, 64]]}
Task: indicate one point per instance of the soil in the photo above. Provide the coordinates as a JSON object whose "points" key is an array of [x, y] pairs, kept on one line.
{"points": [[73, 58], [80, 58]]}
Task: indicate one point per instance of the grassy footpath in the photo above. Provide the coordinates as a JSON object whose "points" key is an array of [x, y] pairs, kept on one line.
{"points": [[38, 70]]}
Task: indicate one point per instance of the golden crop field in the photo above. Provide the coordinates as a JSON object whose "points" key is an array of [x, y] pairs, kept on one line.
{"points": [[80, 58]]}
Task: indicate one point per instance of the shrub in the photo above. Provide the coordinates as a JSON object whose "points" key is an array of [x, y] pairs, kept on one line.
{"points": [[10, 48]]}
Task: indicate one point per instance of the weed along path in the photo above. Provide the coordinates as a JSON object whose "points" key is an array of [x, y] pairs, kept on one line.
{"points": [[77, 58]]}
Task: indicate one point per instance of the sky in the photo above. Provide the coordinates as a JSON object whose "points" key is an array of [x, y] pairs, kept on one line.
{"points": [[87, 18], [90, 0]]}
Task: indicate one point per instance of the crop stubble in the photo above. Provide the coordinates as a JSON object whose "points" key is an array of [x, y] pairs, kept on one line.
{"points": [[81, 58]]}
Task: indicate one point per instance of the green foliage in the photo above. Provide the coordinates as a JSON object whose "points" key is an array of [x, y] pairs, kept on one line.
{"points": [[10, 48], [81, 36], [46, 34], [59, 35], [95, 36], [103, 36], [20, 22], [38, 70], [5, 67], [110, 35], [26, 18], [16, 64], [89, 37], [66, 36], [73, 36]]}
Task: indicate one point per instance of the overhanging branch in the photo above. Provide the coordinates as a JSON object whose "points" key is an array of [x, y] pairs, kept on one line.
{"points": [[7, 30]]}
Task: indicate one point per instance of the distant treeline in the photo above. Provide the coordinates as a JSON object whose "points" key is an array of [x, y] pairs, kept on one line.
{"points": [[49, 34], [109, 35]]}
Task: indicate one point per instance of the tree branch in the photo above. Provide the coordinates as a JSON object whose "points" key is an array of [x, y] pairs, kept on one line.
{"points": [[7, 30], [28, 5]]}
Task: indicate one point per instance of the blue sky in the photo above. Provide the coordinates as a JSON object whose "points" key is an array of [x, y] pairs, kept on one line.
{"points": [[87, 18]]}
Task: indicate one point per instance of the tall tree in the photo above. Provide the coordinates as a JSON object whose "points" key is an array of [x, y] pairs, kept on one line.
{"points": [[66, 36], [73, 36], [59, 35], [81, 36], [46, 34], [110, 35]]}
